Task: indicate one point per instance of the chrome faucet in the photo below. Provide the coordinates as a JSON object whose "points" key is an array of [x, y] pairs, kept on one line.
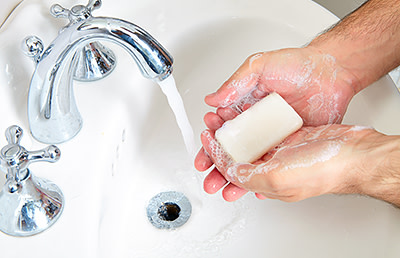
{"points": [[28, 204], [76, 54]]}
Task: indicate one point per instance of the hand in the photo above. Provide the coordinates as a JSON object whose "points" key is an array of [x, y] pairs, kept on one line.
{"points": [[318, 82], [311, 82], [311, 162]]}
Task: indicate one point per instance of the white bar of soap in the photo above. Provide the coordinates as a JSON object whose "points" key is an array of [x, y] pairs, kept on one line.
{"points": [[260, 128]]}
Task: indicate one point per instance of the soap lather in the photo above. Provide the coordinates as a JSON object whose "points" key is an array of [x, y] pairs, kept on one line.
{"points": [[259, 129]]}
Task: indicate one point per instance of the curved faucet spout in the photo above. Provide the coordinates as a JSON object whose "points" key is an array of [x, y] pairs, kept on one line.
{"points": [[52, 112]]}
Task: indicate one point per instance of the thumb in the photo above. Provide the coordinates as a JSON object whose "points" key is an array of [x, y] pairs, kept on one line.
{"points": [[242, 82]]}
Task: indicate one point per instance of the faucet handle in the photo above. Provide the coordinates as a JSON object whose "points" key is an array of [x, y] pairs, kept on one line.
{"points": [[95, 60], [28, 204], [59, 12], [15, 159], [93, 5], [33, 47], [13, 135], [77, 12]]}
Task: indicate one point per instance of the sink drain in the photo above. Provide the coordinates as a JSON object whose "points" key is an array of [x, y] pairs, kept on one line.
{"points": [[169, 210]]}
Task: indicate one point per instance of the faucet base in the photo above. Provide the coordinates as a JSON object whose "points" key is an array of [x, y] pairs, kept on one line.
{"points": [[94, 62], [30, 208]]}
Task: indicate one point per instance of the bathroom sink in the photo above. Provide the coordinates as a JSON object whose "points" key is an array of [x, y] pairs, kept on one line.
{"points": [[130, 148]]}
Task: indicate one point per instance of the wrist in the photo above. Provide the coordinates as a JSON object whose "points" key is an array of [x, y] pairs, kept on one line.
{"points": [[364, 62], [366, 43], [343, 72], [378, 172], [343, 58]]}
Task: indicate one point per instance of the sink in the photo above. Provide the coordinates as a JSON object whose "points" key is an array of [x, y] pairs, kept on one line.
{"points": [[130, 148]]}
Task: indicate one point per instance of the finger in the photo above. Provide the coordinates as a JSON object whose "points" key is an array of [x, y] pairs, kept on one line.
{"points": [[202, 162], [265, 196], [252, 177], [214, 181], [243, 81], [215, 151], [213, 121], [259, 94], [232, 192], [260, 196], [228, 113]]}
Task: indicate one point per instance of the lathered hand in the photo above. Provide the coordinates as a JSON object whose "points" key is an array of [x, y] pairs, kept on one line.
{"points": [[320, 158], [311, 162], [313, 83], [318, 81]]}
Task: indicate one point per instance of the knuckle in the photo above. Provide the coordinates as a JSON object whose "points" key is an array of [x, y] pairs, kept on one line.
{"points": [[274, 183]]}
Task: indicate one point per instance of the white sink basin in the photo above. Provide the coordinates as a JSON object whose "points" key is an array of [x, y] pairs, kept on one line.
{"points": [[130, 148]]}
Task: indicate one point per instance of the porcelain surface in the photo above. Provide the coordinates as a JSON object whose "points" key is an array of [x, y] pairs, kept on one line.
{"points": [[130, 148]]}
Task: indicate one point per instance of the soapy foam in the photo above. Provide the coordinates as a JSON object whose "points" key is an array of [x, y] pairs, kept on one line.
{"points": [[245, 101], [239, 88], [242, 94], [232, 173], [303, 79], [243, 173], [218, 155], [326, 154], [325, 104], [310, 74], [316, 71], [334, 115], [319, 104], [357, 128]]}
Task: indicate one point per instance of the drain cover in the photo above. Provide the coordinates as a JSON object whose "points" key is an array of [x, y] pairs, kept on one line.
{"points": [[169, 210]]}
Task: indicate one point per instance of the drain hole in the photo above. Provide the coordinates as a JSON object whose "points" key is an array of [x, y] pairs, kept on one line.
{"points": [[169, 211]]}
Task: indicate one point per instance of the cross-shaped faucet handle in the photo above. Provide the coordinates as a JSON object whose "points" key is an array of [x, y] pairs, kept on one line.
{"points": [[15, 159], [28, 204], [77, 12]]}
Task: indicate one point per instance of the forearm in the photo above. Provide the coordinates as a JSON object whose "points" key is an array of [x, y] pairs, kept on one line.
{"points": [[379, 171], [366, 43]]}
